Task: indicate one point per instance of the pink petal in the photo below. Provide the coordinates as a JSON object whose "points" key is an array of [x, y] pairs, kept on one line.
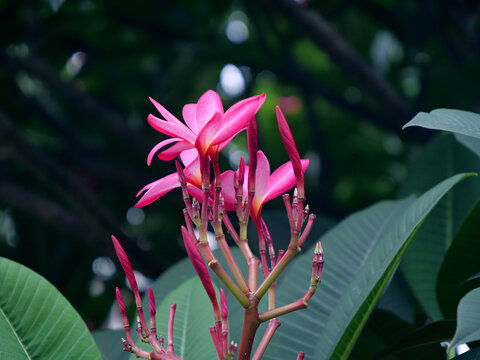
{"points": [[289, 143], [193, 174], [165, 113], [262, 175], [228, 189], [157, 189], [190, 116], [208, 104], [282, 180], [238, 116], [171, 129], [157, 147], [173, 151], [207, 134], [188, 156]]}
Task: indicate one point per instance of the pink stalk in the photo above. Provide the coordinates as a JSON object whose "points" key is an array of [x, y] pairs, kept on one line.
{"points": [[288, 207], [262, 250], [188, 222], [183, 185], [224, 310], [307, 230], [238, 186], [151, 306], [267, 337], [127, 268], [252, 139], [171, 319], [268, 239], [302, 303], [123, 312]]}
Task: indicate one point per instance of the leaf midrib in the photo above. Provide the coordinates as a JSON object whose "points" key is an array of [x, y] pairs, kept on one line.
{"points": [[15, 333]]}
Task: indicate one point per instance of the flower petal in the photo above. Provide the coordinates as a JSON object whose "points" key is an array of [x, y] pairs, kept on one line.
{"points": [[157, 189], [188, 156], [207, 134], [228, 189], [193, 174], [282, 180], [208, 104], [262, 175], [165, 113], [157, 147], [171, 129], [238, 116], [173, 151], [190, 116]]}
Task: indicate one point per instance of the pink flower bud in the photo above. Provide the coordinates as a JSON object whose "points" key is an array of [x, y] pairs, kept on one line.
{"points": [[291, 148], [181, 175], [252, 152], [121, 303], [223, 305], [151, 302], [301, 355], [127, 267], [200, 268]]}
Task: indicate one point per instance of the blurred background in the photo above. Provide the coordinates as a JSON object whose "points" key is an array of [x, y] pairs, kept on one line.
{"points": [[75, 77]]}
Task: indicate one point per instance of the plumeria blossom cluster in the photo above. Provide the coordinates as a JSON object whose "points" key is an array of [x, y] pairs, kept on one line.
{"points": [[209, 197]]}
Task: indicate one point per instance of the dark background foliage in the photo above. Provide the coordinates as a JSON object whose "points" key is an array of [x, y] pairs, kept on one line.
{"points": [[75, 78]]}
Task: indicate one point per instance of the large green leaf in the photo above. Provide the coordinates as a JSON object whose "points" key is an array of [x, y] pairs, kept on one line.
{"points": [[361, 254], [470, 142], [460, 265], [193, 317], [468, 319], [36, 321], [110, 344], [421, 263], [456, 121]]}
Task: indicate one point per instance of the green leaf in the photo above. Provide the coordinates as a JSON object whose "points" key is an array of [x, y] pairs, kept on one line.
{"points": [[36, 321], [110, 344], [468, 319], [193, 317], [458, 274], [456, 121], [361, 254], [423, 259], [346, 248], [432, 333], [469, 142], [472, 354]]}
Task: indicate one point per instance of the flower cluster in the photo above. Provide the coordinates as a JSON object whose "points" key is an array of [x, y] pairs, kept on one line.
{"points": [[208, 199]]}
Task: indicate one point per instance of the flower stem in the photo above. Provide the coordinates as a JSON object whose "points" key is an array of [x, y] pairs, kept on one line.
{"points": [[250, 326], [272, 327]]}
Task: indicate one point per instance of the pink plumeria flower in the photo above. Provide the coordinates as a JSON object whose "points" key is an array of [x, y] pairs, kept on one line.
{"points": [[267, 186], [206, 124]]}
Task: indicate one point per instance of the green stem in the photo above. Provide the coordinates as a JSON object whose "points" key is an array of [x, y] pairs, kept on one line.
{"points": [[227, 254]]}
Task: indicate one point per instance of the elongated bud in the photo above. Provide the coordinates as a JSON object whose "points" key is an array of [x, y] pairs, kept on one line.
{"points": [[317, 264], [121, 306], [151, 306], [252, 152], [241, 172], [223, 304], [181, 175], [127, 268], [292, 151], [301, 355], [201, 269]]}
